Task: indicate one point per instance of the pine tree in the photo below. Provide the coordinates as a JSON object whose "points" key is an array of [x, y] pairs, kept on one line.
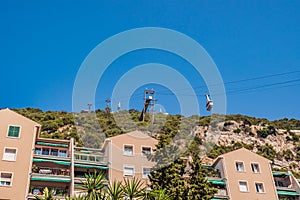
{"points": [[199, 188]]}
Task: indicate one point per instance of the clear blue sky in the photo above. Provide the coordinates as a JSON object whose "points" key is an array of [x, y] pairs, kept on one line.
{"points": [[43, 44]]}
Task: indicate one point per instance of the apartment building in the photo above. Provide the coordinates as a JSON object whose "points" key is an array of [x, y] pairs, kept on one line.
{"points": [[242, 174], [29, 163], [127, 155], [17, 137], [61, 166]]}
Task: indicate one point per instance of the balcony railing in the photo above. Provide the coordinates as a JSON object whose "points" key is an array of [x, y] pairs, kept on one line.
{"points": [[51, 171], [55, 191]]}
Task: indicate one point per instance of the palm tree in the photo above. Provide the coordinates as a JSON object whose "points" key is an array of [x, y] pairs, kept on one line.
{"points": [[133, 189], [47, 195], [94, 186], [115, 191]]}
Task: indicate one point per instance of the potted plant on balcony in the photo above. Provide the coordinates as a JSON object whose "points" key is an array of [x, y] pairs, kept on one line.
{"points": [[34, 169]]}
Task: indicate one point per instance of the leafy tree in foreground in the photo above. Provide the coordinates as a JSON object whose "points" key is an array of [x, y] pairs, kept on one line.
{"points": [[199, 188]]}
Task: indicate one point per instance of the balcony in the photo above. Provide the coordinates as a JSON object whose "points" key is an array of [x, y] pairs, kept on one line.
{"points": [[58, 193], [51, 171], [89, 156], [52, 153]]}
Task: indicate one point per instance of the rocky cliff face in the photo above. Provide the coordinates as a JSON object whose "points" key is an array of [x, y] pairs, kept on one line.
{"points": [[284, 143]]}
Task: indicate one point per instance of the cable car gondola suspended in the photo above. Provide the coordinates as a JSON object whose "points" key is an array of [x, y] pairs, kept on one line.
{"points": [[209, 102]]}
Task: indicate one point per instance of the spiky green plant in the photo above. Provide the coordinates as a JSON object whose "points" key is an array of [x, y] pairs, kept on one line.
{"points": [[133, 188]]}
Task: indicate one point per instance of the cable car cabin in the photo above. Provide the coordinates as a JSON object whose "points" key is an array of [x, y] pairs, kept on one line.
{"points": [[209, 103]]}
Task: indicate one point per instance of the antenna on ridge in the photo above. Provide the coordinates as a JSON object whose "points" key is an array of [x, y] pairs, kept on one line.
{"points": [[119, 106], [89, 107], [107, 107]]}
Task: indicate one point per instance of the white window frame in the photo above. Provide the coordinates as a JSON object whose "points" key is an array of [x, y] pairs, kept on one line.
{"points": [[128, 145], [247, 185], [128, 175], [252, 164], [263, 187], [145, 167], [11, 179], [144, 155], [11, 148], [20, 130], [235, 166]]}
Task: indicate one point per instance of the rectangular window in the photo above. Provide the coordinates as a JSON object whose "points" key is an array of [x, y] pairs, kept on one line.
{"points": [[243, 186], [62, 153], [83, 157], [10, 154], [92, 158], [128, 171], [146, 151], [45, 151], [255, 167], [5, 179], [259, 187], [54, 152], [77, 157], [239, 166], [146, 172], [128, 150], [14, 131], [38, 151]]}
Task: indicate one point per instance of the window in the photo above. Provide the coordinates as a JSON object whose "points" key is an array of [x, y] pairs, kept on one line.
{"points": [[38, 151], [9, 154], [128, 150], [128, 171], [146, 151], [45, 151], [146, 172], [255, 167], [5, 179], [92, 158], [62, 153], [14, 131], [83, 157], [243, 186], [54, 152], [259, 187], [239, 166]]}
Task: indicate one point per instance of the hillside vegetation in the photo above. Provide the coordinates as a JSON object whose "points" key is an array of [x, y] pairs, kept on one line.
{"points": [[274, 140]]}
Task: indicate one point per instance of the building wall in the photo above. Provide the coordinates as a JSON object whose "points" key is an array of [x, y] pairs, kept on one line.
{"points": [[264, 175], [138, 161], [24, 145]]}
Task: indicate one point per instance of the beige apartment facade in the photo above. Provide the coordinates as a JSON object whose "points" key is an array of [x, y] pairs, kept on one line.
{"points": [[17, 137], [126, 154], [247, 175]]}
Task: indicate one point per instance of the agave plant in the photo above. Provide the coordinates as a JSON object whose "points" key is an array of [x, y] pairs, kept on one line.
{"points": [[115, 191], [48, 195], [133, 189], [94, 186]]}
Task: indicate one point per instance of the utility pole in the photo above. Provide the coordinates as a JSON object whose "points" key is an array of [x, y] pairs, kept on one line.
{"points": [[149, 100]]}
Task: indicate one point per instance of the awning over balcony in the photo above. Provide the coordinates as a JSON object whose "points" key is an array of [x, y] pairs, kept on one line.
{"points": [[280, 174], [52, 144], [53, 161], [287, 193], [217, 181], [90, 166], [51, 179]]}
